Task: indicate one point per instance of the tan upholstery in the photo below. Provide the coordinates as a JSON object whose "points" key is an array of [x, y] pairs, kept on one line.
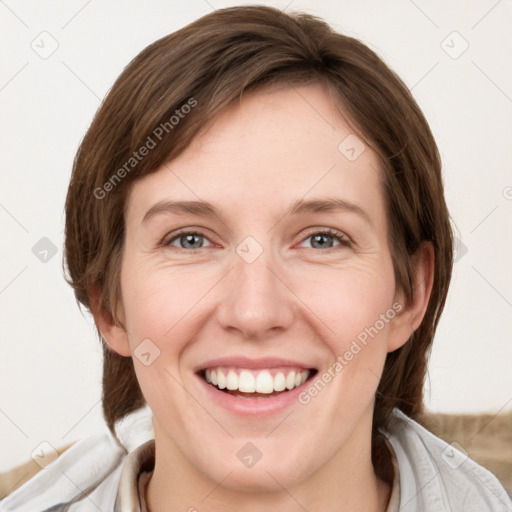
{"points": [[14, 478], [487, 438]]}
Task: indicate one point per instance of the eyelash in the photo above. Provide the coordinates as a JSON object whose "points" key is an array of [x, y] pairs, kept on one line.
{"points": [[343, 239]]}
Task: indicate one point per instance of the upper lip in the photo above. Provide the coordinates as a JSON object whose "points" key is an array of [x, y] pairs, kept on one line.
{"points": [[250, 363]]}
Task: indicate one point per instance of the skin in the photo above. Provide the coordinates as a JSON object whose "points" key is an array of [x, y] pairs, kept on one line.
{"points": [[295, 300]]}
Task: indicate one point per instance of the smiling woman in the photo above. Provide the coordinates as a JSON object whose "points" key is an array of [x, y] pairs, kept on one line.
{"points": [[266, 282]]}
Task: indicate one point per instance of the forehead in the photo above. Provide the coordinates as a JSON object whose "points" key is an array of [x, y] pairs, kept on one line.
{"points": [[264, 153]]}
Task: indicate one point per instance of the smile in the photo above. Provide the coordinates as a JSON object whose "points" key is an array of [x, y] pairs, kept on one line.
{"points": [[244, 381], [253, 387]]}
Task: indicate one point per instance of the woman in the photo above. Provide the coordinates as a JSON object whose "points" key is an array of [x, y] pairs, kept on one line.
{"points": [[256, 220]]}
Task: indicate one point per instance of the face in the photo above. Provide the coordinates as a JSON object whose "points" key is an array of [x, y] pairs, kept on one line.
{"points": [[287, 303]]}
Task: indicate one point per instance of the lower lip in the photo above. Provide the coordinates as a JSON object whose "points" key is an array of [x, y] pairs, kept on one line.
{"points": [[260, 407]]}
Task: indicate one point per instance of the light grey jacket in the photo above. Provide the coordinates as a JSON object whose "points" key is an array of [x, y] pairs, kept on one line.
{"points": [[97, 472]]}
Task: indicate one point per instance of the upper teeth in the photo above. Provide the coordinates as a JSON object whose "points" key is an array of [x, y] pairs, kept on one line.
{"points": [[255, 381]]}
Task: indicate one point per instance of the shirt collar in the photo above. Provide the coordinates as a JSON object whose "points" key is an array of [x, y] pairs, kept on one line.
{"points": [[139, 465], [140, 461]]}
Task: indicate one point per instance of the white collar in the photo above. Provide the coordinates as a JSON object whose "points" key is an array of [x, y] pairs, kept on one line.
{"points": [[433, 476]]}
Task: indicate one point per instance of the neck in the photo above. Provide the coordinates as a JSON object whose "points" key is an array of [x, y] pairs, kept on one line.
{"points": [[347, 482]]}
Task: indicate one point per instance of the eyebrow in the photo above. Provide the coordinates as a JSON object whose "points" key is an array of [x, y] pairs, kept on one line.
{"points": [[300, 207]]}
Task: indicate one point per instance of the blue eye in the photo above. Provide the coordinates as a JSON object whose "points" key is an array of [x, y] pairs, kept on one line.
{"points": [[193, 240], [319, 238], [187, 239]]}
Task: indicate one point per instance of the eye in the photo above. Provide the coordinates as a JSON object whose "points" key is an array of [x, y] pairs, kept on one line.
{"points": [[194, 240], [320, 239], [187, 240]]}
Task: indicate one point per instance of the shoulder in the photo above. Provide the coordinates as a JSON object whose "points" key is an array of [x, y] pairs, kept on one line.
{"points": [[435, 476], [87, 471]]}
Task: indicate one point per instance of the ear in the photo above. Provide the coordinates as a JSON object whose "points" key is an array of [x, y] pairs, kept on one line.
{"points": [[410, 316], [114, 334]]}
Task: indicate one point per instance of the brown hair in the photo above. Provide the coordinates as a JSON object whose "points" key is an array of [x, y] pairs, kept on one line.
{"points": [[207, 65]]}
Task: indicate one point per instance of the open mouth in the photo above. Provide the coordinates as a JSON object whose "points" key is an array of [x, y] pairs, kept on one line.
{"points": [[252, 383]]}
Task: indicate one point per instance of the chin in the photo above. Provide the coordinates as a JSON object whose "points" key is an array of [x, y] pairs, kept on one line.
{"points": [[270, 473], [262, 480]]}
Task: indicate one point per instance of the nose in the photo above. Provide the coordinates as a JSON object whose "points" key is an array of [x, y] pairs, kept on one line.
{"points": [[256, 301]]}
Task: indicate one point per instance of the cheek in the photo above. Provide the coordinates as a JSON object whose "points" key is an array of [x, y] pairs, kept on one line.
{"points": [[355, 308], [160, 319], [160, 303], [163, 303], [348, 302]]}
